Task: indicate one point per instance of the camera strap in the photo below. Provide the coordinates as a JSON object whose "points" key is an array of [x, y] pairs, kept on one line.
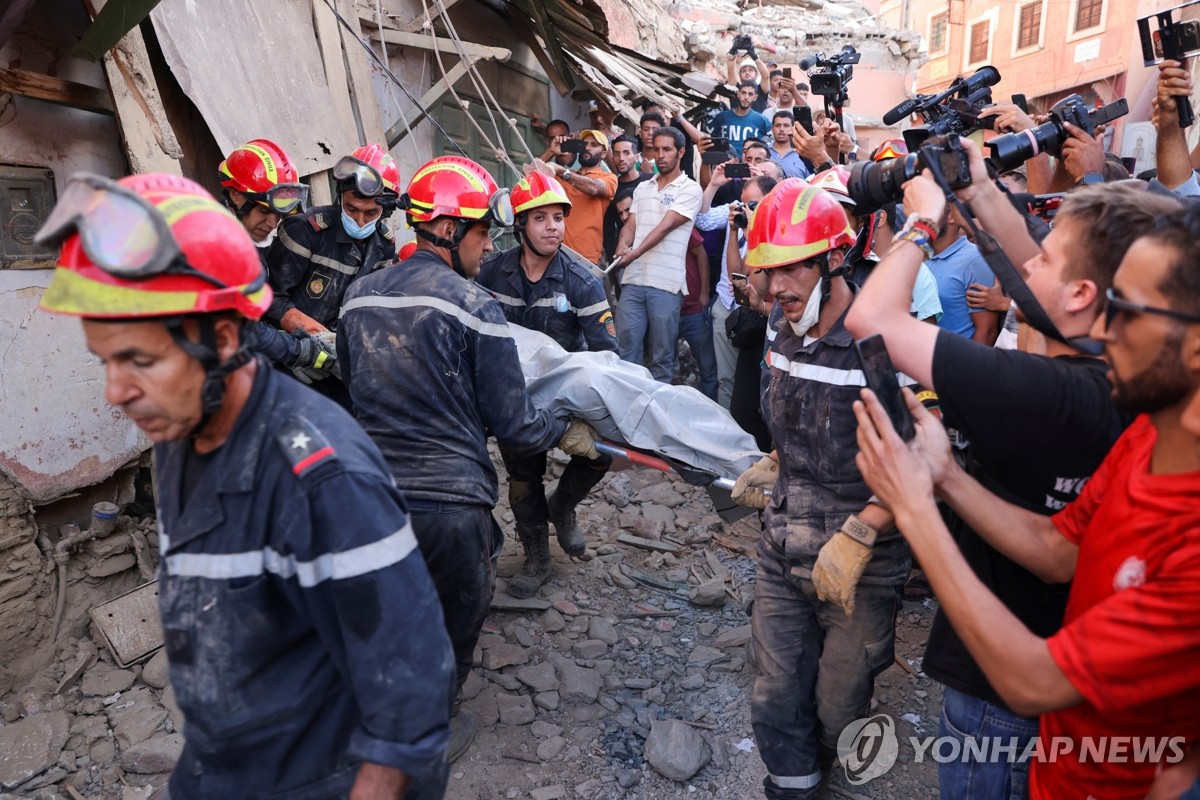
{"points": [[1010, 278]]}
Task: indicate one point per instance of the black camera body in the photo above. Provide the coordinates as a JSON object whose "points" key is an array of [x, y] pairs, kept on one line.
{"points": [[1172, 34], [954, 111], [741, 217], [873, 185], [1013, 149], [829, 76], [742, 43]]}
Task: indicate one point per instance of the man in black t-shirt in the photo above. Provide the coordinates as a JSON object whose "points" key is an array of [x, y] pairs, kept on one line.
{"points": [[1038, 425]]}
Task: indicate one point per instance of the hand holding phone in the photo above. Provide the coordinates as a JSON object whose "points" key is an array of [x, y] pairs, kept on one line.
{"points": [[737, 170], [881, 379]]}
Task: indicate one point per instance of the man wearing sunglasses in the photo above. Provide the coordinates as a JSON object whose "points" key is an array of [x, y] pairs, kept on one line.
{"points": [[290, 587], [433, 371], [318, 254], [1039, 427], [260, 186]]}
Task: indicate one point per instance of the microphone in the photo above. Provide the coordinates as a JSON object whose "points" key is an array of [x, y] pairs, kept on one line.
{"points": [[901, 111], [808, 62]]}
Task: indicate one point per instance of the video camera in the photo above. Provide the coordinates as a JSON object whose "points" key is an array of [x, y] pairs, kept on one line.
{"points": [[1175, 36], [873, 185], [829, 76], [742, 43], [1013, 149], [955, 110]]}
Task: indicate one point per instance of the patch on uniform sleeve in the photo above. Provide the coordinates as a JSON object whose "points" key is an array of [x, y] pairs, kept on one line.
{"points": [[318, 282], [929, 399], [303, 445], [606, 319], [318, 222]]}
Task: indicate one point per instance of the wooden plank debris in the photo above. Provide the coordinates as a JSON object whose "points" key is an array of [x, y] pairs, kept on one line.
{"points": [[649, 544], [55, 90], [502, 601]]}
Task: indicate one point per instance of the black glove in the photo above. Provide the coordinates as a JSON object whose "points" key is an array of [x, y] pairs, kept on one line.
{"points": [[315, 361], [752, 53]]}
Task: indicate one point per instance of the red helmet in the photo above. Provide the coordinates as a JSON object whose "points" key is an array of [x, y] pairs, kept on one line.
{"points": [[369, 170], [836, 181], [536, 190], [261, 170], [451, 186], [406, 250], [149, 246], [793, 223], [892, 148]]}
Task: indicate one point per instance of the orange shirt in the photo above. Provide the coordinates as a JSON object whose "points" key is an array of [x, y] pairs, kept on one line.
{"points": [[585, 225]]}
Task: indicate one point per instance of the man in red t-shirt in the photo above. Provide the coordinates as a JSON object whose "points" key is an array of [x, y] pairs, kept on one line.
{"points": [[695, 323], [1122, 674]]}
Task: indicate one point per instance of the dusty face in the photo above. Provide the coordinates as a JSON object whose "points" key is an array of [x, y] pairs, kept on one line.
{"points": [[474, 248], [363, 210], [545, 227], [148, 377], [792, 285], [1145, 351], [259, 221]]}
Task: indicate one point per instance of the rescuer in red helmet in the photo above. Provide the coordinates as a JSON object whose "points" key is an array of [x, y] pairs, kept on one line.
{"points": [[433, 371], [290, 588]]}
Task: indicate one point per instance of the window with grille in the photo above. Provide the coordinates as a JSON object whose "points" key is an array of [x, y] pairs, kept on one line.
{"points": [[980, 34], [1087, 14], [939, 26], [1029, 25]]}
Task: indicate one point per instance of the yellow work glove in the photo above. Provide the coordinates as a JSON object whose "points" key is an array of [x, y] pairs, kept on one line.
{"points": [[579, 440], [839, 566], [750, 488]]}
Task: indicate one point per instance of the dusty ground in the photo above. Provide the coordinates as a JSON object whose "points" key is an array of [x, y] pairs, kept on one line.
{"points": [[565, 697]]}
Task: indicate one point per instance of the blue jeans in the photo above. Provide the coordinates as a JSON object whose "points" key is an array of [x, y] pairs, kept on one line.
{"points": [[649, 316], [966, 716], [697, 331]]}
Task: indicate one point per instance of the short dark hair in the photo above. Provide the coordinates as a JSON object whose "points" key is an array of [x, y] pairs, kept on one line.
{"points": [[802, 87], [776, 73], [1109, 218], [562, 122], [676, 136], [755, 143], [765, 183], [752, 84], [783, 112], [632, 140], [1180, 231], [652, 116]]}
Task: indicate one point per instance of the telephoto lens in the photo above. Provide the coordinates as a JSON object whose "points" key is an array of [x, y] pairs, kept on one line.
{"points": [[873, 185]]}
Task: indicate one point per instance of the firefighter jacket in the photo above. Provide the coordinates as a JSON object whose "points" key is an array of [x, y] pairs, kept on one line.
{"points": [[433, 372], [314, 260], [302, 629], [568, 304]]}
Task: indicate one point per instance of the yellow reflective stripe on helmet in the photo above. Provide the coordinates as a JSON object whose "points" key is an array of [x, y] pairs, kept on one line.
{"points": [[268, 161], [471, 177], [546, 198], [767, 255], [176, 208], [72, 293]]}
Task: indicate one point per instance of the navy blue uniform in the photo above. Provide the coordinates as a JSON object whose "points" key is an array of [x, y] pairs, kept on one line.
{"points": [[433, 371], [816, 664], [314, 260], [302, 629], [568, 304]]}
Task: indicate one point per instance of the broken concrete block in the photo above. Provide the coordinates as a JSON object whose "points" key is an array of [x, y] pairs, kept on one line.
{"points": [[31, 746]]}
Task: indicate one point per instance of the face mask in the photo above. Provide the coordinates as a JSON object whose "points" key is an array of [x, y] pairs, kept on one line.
{"points": [[354, 230], [812, 312]]}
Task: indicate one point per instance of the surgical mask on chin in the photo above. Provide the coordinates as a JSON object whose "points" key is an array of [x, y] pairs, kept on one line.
{"points": [[356, 231], [812, 312]]}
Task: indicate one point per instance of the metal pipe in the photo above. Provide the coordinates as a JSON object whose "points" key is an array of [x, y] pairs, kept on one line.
{"points": [[653, 462], [104, 521]]}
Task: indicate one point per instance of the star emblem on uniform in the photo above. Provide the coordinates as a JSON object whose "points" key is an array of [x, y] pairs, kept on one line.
{"points": [[300, 441]]}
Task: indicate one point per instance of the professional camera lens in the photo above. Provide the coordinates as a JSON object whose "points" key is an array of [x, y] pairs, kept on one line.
{"points": [[1013, 149], [873, 185]]}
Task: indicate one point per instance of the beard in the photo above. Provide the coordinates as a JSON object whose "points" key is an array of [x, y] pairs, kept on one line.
{"points": [[1162, 384], [587, 159]]}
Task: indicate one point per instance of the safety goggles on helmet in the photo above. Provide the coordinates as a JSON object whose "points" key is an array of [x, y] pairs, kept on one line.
{"points": [[121, 232], [500, 209], [283, 198], [367, 180]]}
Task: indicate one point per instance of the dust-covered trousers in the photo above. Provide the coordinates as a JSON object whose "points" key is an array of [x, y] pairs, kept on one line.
{"points": [[527, 493], [816, 665]]}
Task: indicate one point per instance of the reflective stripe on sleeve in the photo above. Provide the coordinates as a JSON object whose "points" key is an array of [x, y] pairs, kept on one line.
{"points": [[796, 781], [829, 375], [436, 303], [302, 251], [332, 566]]}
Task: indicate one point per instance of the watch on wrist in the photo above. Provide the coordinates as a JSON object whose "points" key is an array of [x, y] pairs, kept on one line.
{"points": [[859, 531], [566, 175], [828, 164]]}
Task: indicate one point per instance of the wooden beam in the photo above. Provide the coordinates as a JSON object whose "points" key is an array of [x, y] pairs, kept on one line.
{"points": [[435, 93], [362, 91], [427, 42], [55, 90], [421, 20], [12, 18]]}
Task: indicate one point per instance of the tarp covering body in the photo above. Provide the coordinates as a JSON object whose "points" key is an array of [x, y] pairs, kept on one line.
{"points": [[624, 403]]}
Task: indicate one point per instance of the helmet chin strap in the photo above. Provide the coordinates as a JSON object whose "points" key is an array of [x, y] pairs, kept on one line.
{"points": [[460, 232], [519, 229], [212, 391]]}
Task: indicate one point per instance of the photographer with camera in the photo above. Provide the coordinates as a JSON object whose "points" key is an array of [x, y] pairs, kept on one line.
{"points": [[1174, 164], [754, 70], [1002, 401]]}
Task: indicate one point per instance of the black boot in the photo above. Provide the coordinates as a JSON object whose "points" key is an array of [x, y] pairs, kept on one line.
{"points": [[577, 480], [536, 570]]}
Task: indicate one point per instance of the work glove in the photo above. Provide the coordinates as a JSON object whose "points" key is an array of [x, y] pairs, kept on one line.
{"points": [[317, 359], [750, 489], [579, 440], [839, 566]]}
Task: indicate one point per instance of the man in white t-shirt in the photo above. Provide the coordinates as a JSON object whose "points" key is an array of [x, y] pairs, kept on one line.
{"points": [[652, 249]]}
